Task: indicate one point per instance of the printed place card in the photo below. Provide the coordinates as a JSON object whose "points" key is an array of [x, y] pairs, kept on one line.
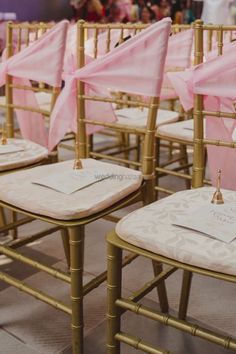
{"points": [[9, 149], [70, 181], [217, 221]]}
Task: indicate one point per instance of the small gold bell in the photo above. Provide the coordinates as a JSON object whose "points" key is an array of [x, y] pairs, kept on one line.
{"points": [[4, 136], [77, 165], [217, 196]]}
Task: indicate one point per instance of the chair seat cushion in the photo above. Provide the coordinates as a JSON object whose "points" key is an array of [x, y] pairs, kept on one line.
{"points": [[151, 228], [135, 117], [31, 154], [17, 189], [180, 130]]}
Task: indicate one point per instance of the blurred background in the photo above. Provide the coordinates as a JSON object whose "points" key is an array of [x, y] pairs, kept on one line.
{"points": [[145, 11]]}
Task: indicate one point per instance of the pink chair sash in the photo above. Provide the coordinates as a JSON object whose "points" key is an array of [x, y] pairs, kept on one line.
{"points": [[214, 79], [41, 61], [102, 42], [178, 56], [131, 67]]}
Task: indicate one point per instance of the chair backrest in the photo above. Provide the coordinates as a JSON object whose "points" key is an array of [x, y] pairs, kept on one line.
{"points": [[214, 38], [20, 38], [104, 37], [214, 87], [119, 70]]}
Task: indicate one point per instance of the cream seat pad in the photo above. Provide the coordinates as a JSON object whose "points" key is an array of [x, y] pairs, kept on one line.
{"points": [[135, 117], [151, 228], [31, 153], [17, 189], [181, 130]]}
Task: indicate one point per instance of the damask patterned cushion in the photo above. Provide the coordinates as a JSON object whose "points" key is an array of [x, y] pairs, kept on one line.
{"points": [[135, 117], [151, 228], [17, 189], [31, 154]]}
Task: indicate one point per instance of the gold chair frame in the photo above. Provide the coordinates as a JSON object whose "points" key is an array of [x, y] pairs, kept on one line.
{"points": [[123, 145], [183, 171], [75, 228], [25, 29], [117, 305]]}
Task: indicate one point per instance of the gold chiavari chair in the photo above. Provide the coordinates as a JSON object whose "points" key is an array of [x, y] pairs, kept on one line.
{"points": [[149, 232], [131, 120], [181, 132], [19, 36], [75, 211]]}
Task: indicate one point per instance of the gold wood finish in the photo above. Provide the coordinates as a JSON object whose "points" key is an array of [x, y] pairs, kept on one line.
{"points": [[75, 228], [9, 92], [15, 31], [76, 269], [139, 344], [114, 242], [120, 305], [39, 295], [81, 128], [124, 146], [113, 292], [198, 155]]}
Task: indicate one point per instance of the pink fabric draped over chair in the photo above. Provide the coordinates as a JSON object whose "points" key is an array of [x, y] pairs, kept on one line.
{"points": [[179, 57], [123, 69], [42, 61], [178, 53], [70, 62], [215, 79], [102, 42]]}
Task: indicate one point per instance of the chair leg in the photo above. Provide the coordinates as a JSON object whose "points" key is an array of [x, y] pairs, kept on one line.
{"points": [[148, 195], [157, 160], [137, 150], [66, 245], [14, 230], [2, 217], [184, 160], [114, 276], [161, 288], [185, 292], [76, 268], [3, 220]]}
